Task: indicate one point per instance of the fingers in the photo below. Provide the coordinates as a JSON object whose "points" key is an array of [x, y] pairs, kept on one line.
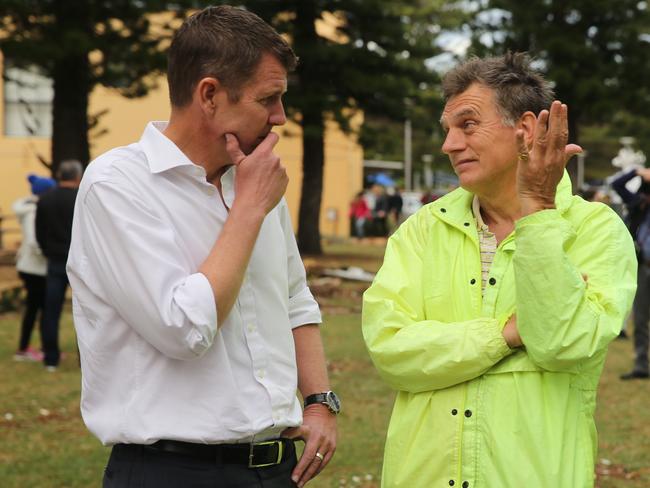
{"points": [[233, 149], [313, 461], [326, 459], [522, 147], [237, 155], [571, 150], [541, 128], [268, 143], [317, 454]]}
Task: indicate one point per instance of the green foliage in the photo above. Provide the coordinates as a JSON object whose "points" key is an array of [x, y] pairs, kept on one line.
{"points": [[373, 60], [118, 37], [594, 50], [370, 57], [80, 44]]}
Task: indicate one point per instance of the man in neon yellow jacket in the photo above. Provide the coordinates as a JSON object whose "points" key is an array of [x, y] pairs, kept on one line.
{"points": [[492, 312]]}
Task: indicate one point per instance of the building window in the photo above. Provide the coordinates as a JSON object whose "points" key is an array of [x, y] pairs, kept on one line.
{"points": [[27, 102]]}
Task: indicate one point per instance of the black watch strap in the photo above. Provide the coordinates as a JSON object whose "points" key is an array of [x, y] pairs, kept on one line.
{"points": [[316, 398], [327, 398]]}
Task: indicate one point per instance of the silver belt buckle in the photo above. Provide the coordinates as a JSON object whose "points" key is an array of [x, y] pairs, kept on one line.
{"points": [[251, 464]]}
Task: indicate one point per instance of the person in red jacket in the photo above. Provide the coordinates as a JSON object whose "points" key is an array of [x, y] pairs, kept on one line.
{"points": [[359, 215]]}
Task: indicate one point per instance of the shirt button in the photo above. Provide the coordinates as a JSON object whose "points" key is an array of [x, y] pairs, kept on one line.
{"points": [[260, 374], [465, 484], [493, 281], [251, 327], [454, 411], [472, 281], [451, 483], [468, 413]]}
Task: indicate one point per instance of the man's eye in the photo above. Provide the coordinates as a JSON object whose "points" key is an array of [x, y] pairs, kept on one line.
{"points": [[268, 100], [469, 124]]}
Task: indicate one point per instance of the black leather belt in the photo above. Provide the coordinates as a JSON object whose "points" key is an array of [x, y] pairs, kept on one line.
{"points": [[256, 455]]}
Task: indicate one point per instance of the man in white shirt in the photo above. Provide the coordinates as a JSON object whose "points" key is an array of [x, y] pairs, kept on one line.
{"points": [[194, 320]]}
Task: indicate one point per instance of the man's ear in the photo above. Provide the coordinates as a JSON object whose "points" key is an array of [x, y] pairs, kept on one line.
{"points": [[206, 92], [528, 122]]}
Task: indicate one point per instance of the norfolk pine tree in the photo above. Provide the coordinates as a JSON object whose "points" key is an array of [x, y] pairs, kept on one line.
{"points": [[595, 51], [373, 63], [81, 44]]}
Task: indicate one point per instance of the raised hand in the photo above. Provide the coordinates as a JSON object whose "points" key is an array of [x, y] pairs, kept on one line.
{"points": [[540, 168], [261, 178]]}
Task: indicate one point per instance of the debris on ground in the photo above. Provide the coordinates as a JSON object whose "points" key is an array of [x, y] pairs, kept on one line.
{"points": [[351, 273]]}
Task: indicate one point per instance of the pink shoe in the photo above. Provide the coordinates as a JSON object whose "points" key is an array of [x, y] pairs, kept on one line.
{"points": [[29, 355], [36, 355]]}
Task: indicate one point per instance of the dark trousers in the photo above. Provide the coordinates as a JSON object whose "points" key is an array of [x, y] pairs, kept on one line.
{"points": [[35, 286], [55, 288], [641, 310], [136, 466]]}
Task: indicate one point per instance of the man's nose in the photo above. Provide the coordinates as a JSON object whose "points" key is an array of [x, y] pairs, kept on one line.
{"points": [[454, 141], [277, 115]]}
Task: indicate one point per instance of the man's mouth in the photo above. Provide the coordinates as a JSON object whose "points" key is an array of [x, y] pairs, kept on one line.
{"points": [[462, 162]]}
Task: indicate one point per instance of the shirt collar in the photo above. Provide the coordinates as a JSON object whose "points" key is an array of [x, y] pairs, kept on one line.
{"points": [[162, 154], [476, 209]]}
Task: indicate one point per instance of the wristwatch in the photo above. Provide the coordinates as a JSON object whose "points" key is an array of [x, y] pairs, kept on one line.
{"points": [[327, 398]]}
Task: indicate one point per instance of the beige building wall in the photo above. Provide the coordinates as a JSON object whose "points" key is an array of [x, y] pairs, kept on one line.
{"points": [[125, 121]]}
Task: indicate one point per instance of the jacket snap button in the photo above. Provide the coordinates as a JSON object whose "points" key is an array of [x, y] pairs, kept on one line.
{"points": [[472, 281], [465, 484], [443, 210], [468, 413], [466, 224], [451, 483], [493, 281], [454, 411]]}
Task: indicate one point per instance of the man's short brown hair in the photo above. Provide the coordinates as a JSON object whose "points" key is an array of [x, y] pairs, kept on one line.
{"points": [[223, 42], [518, 88]]}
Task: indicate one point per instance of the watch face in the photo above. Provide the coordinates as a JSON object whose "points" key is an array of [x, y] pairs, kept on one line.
{"points": [[333, 402]]}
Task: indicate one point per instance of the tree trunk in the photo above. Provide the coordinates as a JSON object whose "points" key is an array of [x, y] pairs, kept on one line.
{"points": [[72, 85], [306, 42], [70, 110], [313, 159]]}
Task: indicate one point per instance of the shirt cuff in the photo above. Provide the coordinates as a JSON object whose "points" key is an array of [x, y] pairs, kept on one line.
{"points": [[196, 299], [303, 309], [498, 347]]}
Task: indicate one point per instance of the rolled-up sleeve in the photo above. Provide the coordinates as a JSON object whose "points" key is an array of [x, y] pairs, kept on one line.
{"points": [[303, 308], [133, 261]]}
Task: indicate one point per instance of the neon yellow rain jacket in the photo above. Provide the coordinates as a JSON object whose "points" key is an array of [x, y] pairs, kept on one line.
{"points": [[471, 412]]}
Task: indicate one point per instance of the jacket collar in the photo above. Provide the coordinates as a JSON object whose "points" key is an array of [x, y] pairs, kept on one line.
{"points": [[456, 206]]}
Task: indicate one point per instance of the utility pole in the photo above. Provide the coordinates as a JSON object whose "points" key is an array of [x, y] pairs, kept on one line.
{"points": [[408, 155]]}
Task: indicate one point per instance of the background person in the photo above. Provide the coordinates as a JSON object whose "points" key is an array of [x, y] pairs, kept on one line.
{"points": [[638, 222], [379, 211], [395, 205], [190, 297], [31, 266], [53, 229], [359, 215], [495, 304]]}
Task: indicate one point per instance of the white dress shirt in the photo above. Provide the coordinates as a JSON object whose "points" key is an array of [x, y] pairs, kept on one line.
{"points": [[154, 365]]}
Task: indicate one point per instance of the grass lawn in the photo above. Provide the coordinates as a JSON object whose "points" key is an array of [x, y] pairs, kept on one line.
{"points": [[43, 442]]}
